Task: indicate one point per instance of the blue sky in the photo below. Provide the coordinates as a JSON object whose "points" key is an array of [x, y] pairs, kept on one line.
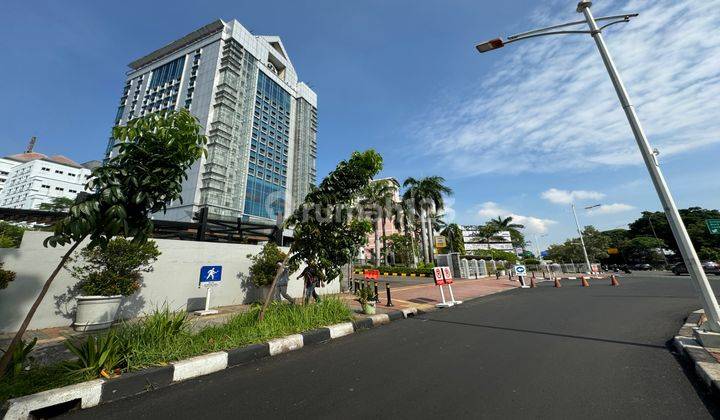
{"points": [[521, 131]]}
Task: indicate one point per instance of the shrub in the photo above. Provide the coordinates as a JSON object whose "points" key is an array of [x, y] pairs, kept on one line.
{"points": [[264, 265], [6, 276], [20, 357], [10, 235], [397, 269], [116, 269], [98, 355]]}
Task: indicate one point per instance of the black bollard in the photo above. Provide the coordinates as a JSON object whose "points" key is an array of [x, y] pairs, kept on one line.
{"points": [[389, 299], [377, 296]]}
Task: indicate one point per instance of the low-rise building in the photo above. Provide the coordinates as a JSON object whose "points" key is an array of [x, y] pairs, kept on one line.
{"points": [[34, 178], [5, 166], [368, 251], [473, 241]]}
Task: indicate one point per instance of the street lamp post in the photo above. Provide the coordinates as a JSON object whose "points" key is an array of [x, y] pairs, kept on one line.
{"points": [[692, 262], [582, 241]]}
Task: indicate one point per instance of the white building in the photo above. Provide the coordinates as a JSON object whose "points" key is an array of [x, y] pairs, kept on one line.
{"points": [[5, 166], [36, 178], [501, 241], [261, 121]]}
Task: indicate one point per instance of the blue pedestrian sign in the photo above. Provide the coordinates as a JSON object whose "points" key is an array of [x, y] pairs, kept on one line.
{"points": [[520, 270], [210, 274]]}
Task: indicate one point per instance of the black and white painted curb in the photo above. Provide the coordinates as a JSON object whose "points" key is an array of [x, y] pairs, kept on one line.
{"points": [[100, 391], [689, 348]]}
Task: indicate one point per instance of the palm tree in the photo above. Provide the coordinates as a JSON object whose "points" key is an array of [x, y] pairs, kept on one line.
{"points": [[375, 199], [426, 194], [506, 224]]}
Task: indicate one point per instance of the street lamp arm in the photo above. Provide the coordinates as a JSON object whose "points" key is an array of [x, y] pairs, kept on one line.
{"points": [[523, 35]]}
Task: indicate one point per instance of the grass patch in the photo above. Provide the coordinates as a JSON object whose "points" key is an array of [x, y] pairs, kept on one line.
{"points": [[164, 337]]}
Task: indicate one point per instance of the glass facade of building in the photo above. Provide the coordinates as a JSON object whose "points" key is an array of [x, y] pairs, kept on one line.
{"points": [[267, 169]]}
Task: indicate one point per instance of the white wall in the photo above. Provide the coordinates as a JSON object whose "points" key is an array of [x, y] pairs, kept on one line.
{"points": [[174, 281]]}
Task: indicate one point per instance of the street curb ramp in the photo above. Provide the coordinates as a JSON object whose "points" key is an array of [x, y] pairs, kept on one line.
{"points": [[705, 365], [101, 391]]}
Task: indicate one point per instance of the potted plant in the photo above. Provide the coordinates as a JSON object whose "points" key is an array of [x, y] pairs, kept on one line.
{"points": [[264, 267], [106, 275], [366, 299]]}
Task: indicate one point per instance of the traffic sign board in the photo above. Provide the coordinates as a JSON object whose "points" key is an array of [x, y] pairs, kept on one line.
{"points": [[520, 270], [713, 226], [210, 274], [440, 242]]}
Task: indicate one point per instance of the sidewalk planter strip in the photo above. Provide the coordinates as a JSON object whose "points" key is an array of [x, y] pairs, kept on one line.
{"points": [[99, 391], [705, 364]]}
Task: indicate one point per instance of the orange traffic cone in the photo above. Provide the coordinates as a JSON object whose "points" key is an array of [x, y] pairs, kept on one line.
{"points": [[584, 281], [532, 282], [614, 281], [557, 282]]}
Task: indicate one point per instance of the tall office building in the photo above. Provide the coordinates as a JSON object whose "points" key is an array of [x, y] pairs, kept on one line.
{"points": [[261, 122]]}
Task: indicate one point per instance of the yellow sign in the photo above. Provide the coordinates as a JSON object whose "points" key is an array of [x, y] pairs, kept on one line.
{"points": [[440, 242], [613, 251]]}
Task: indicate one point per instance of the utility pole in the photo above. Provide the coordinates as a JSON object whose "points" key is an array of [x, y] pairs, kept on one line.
{"points": [[582, 241]]}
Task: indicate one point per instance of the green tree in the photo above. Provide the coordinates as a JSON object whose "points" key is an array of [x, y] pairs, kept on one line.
{"points": [[325, 233], [643, 249], [10, 235], [454, 236], [377, 199], [500, 224], [655, 223], [6, 276], [151, 157], [596, 245], [496, 254], [59, 204], [402, 247], [426, 196]]}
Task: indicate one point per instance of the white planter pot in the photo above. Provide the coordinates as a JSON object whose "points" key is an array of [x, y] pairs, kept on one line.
{"points": [[96, 312]]}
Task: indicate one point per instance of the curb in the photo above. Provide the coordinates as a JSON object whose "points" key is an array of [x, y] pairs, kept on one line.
{"points": [[101, 391], [705, 365]]}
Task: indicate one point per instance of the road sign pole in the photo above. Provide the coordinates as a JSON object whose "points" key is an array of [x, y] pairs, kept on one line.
{"points": [[692, 262], [582, 241]]}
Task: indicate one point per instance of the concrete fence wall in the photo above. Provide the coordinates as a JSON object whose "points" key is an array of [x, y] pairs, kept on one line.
{"points": [[173, 281]]}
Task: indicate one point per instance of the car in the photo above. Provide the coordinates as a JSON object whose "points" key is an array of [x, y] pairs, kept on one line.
{"points": [[708, 266], [642, 267]]}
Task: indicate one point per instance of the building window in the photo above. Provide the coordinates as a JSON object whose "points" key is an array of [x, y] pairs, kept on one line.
{"points": [[59, 172], [45, 169], [59, 189], [45, 186], [167, 72]]}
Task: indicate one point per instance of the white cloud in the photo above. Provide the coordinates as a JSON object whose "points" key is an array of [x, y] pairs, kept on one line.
{"points": [[548, 105], [490, 209], [556, 196], [611, 208]]}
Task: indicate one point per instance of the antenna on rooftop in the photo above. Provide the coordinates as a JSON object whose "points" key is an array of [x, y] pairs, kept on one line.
{"points": [[31, 144]]}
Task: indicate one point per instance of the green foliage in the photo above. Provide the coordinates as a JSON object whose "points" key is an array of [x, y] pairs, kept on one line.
{"points": [[426, 270], [115, 269], [153, 155], [531, 261], [364, 295], [98, 353], [10, 235], [265, 264], [595, 242], [426, 266], [694, 219], [6, 276], [332, 240], [401, 246], [501, 224], [426, 192], [58, 204], [496, 254], [709, 254], [643, 249], [20, 357], [454, 236]]}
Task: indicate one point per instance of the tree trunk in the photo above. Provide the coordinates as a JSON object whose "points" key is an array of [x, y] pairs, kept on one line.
{"points": [[431, 239], [384, 244], [272, 287], [5, 361], [377, 246], [423, 235]]}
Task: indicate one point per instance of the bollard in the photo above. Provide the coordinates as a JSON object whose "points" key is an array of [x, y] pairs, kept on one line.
{"points": [[532, 281], [389, 299], [557, 282], [356, 285], [377, 296], [614, 281]]}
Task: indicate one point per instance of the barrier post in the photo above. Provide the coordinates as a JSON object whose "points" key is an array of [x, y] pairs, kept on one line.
{"points": [[377, 296], [388, 302]]}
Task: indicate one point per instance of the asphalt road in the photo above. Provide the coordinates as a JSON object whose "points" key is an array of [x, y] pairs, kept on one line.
{"points": [[573, 352]]}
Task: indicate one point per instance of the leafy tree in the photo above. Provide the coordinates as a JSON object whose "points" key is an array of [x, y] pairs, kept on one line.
{"points": [[152, 155], [694, 219], [329, 238], [58, 204], [500, 224], [596, 245], [643, 249], [454, 236], [264, 265], [426, 196], [402, 247], [616, 237], [709, 254], [496, 254], [376, 199]]}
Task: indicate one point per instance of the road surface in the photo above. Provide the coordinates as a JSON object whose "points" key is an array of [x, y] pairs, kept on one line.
{"points": [[573, 352]]}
